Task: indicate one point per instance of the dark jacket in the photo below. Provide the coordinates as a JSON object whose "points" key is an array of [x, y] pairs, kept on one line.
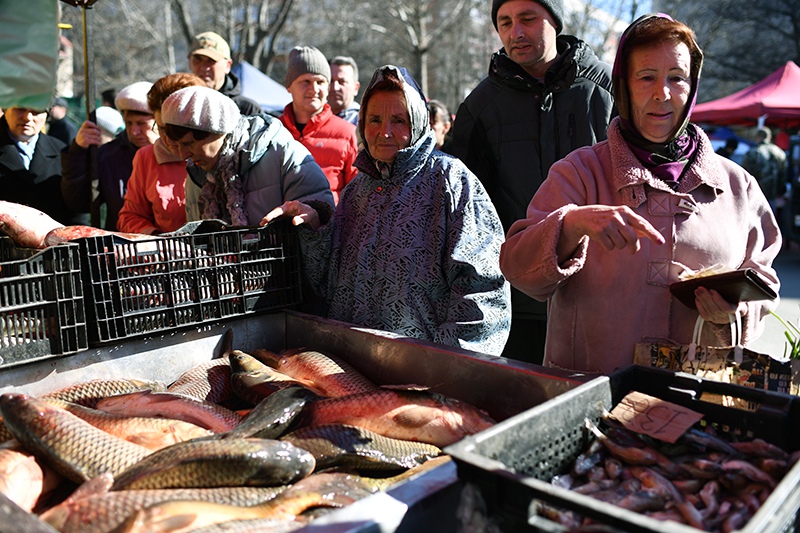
{"points": [[63, 129], [233, 90], [114, 167], [38, 187], [512, 128]]}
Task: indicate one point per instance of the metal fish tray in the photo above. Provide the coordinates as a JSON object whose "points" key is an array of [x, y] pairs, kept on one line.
{"points": [[502, 387], [513, 462]]}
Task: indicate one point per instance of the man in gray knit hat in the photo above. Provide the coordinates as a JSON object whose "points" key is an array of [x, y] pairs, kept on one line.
{"points": [[330, 139], [546, 95]]}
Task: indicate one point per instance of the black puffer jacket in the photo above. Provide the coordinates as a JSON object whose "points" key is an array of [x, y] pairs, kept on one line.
{"points": [[512, 128]]}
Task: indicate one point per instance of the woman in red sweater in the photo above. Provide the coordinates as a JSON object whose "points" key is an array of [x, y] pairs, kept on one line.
{"points": [[155, 201]]}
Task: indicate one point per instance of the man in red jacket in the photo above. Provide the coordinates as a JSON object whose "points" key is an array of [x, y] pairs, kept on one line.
{"points": [[330, 139]]}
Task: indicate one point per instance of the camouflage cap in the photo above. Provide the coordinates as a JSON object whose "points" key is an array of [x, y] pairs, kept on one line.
{"points": [[212, 45]]}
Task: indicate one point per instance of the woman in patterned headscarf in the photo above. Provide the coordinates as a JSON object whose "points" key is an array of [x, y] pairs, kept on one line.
{"points": [[414, 243], [657, 189]]}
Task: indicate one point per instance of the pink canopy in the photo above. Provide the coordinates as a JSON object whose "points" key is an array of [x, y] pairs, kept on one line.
{"points": [[777, 96]]}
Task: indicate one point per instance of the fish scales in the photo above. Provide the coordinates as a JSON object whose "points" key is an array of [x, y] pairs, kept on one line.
{"points": [[273, 415], [219, 463], [331, 375], [73, 447], [104, 511], [210, 380], [150, 432], [178, 406], [254, 381], [91, 392], [350, 446], [402, 414]]}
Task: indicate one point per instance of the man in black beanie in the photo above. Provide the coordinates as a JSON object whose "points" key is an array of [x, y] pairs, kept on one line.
{"points": [[546, 94]]}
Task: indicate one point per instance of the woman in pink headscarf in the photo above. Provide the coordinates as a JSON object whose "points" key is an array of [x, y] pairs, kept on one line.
{"points": [[616, 223]]}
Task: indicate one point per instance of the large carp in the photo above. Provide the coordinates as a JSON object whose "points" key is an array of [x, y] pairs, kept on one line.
{"points": [[73, 447]]}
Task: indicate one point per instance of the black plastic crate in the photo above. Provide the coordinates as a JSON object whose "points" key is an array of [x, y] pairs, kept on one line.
{"points": [[204, 271], [42, 310], [513, 462]]}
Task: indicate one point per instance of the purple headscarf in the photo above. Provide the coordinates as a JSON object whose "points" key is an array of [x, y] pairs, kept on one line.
{"points": [[667, 159]]}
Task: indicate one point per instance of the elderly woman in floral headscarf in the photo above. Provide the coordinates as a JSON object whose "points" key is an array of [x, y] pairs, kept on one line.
{"points": [[244, 166], [656, 189], [414, 243]]}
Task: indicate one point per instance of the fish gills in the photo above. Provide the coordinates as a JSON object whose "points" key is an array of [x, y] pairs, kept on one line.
{"points": [[219, 463], [74, 448], [354, 447]]}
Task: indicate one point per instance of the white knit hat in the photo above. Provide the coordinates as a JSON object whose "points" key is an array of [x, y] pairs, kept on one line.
{"points": [[134, 98], [201, 108], [110, 120]]}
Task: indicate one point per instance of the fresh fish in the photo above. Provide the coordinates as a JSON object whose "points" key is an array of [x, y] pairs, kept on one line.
{"points": [[773, 467], [339, 445], [91, 392], [274, 415], [320, 490], [588, 459], [152, 433], [331, 375], [170, 405], [254, 524], [749, 471], [74, 448], [760, 448], [21, 476], [71, 233], [218, 463], [14, 519], [595, 486], [386, 483], [633, 455], [5, 434], [210, 381], [657, 483], [93, 509], [27, 227], [403, 414], [613, 467], [253, 381], [709, 441]]}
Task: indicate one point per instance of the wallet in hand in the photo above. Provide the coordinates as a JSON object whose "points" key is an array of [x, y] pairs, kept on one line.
{"points": [[743, 285]]}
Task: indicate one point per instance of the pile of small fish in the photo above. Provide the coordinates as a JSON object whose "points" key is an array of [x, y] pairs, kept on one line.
{"points": [[701, 480], [259, 441]]}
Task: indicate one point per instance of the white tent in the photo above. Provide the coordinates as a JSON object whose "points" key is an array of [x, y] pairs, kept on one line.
{"points": [[271, 95]]}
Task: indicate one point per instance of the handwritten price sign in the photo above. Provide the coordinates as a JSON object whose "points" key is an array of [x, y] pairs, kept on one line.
{"points": [[652, 416]]}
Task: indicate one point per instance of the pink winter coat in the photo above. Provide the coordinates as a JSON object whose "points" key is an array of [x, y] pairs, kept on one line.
{"points": [[601, 302], [155, 200], [331, 141]]}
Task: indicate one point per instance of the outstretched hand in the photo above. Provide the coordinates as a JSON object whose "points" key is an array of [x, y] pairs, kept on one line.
{"points": [[614, 227], [299, 212]]}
